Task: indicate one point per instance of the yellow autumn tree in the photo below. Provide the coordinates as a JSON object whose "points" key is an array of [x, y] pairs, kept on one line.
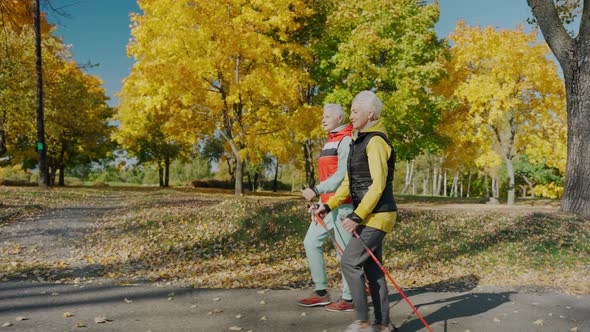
{"points": [[77, 118], [510, 95], [222, 65]]}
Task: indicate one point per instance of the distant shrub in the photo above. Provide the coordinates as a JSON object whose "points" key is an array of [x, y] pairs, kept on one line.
{"points": [[73, 181], [99, 183], [212, 183]]}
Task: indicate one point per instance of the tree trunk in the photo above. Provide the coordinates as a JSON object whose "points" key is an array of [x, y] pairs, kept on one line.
{"points": [[425, 182], [510, 170], [309, 163], [62, 175], [160, 174], [469, 184], [523, 188], [456, 184], [409, 175], [167, 171], [434, 180], [3, 148], [275, 182], [530, 184], [572, 55], [445, 184], [41, 147], [60, 164]]}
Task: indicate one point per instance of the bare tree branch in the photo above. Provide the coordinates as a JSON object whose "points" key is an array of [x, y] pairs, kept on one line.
{"points": [[553, 30]]}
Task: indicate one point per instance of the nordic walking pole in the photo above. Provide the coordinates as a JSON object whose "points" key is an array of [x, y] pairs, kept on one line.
{"points": [[392, 281]]}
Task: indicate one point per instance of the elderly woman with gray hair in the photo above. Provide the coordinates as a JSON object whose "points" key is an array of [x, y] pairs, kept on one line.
{"points": [[368, 181]]}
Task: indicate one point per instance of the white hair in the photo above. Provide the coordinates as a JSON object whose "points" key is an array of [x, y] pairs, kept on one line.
{"points": [[336, 108], [367, 101]]}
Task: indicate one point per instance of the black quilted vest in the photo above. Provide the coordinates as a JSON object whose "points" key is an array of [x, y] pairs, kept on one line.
{"points": [[360, 177]]}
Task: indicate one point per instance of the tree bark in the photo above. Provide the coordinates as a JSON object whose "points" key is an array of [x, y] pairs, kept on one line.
{"points": [[167, 171], [309, 163], [469, 184], [275, 182], [573, 56], [510, 170], [409, 175], [530, 184], [62, 175]]}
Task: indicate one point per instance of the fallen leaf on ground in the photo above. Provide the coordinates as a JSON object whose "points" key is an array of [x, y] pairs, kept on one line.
{"points": [[496, 319], [21, 318], [127, 300], [538, 322], [263, 318], [262, 302], [80, 325], [235, 328], [7, 324], [574, 329], [101, 320], [217, 299], [303, 314], [238, 316], [67, 314]]}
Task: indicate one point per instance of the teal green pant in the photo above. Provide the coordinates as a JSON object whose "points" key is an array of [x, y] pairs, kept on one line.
{"points": [[314, 247]]}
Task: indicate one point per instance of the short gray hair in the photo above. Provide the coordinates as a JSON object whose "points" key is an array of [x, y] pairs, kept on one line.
{"points": [[336, 108], [367, 101]]}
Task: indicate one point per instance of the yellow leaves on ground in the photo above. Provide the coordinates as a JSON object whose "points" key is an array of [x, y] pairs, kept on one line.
{"points": [[249, 242], [218, 241]]}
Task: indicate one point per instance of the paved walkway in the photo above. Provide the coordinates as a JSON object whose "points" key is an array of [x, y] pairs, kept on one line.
{"points": [[148, 308]]}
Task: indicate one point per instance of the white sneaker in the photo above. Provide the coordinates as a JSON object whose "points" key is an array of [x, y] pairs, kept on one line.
{"points": [[359, 326]]}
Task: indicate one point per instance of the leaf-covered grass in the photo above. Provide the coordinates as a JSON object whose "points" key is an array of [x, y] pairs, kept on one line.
{"points": [[213, 239]]}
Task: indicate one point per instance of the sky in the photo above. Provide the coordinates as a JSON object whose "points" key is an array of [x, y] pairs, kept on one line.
{"points": [[98, 30]]}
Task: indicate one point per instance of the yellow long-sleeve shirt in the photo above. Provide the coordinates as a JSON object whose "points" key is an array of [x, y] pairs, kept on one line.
{"points": [[378, 152]]}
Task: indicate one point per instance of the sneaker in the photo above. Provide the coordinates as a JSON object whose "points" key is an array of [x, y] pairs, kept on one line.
{"points": [[383, 328], [315, 300], [340, 305], [359, 326]]}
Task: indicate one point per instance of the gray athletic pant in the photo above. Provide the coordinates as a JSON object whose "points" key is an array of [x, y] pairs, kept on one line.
{"points": [[356, 264]]}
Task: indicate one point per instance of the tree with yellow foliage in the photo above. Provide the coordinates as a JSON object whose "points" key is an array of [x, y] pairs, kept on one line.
{"points": [[222, 65], [510, 96]]}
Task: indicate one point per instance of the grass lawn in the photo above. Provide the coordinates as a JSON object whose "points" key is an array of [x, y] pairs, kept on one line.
{"points": [[209, 238]]}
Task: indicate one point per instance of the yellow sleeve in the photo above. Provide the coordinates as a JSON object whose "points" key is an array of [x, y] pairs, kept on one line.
{"points": [[340, 195], [378, 153]]}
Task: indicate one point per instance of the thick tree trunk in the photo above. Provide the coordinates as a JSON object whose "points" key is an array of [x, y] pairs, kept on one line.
{"points": [[572, 55], [161, 174], [576, 193]]}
